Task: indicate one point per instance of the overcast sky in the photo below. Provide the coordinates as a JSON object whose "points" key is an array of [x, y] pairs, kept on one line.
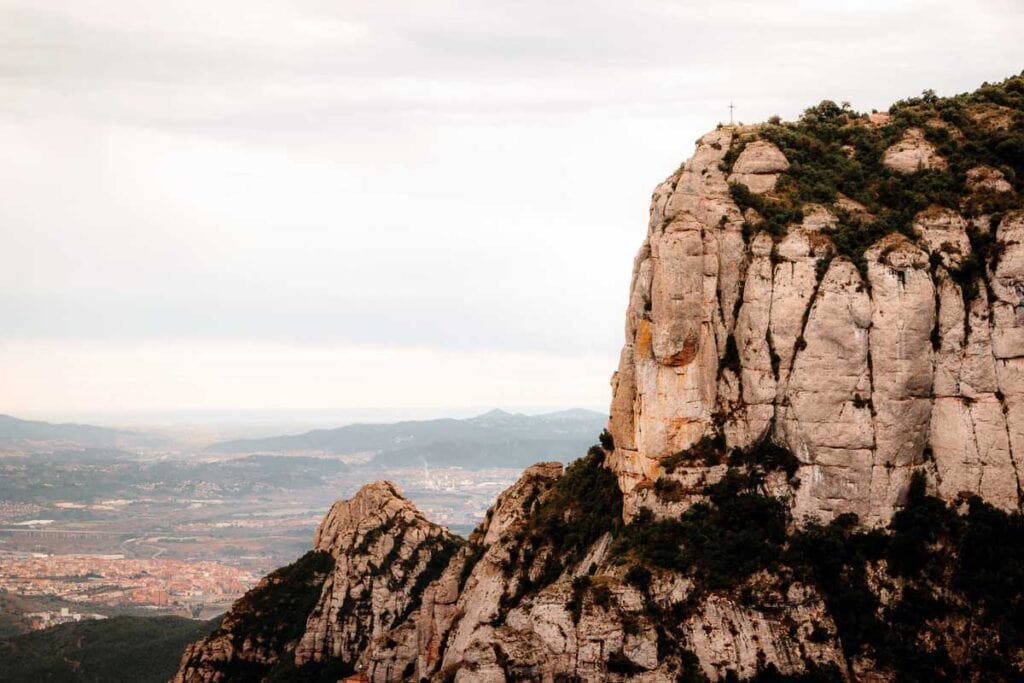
{"points": [[327, 206]]}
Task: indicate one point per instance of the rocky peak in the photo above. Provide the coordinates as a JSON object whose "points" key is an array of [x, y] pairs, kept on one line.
{"points": [[831, 326], [812, 464], [381, 553], [374, 506]]}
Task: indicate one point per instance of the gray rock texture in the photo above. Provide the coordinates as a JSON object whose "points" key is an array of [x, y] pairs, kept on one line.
{"points": [[903, 358], [864, 376]]}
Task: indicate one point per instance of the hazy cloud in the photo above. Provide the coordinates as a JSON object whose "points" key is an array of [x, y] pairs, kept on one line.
{"points": [[327, 177]]}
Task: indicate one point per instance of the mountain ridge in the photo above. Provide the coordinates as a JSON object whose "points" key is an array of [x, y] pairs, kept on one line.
{"points": [[493, 439], [810, 471], [16, 430]]}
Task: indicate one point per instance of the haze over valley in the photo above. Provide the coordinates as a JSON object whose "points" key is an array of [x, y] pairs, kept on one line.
{"points": [[613, 342], [181, 522]]}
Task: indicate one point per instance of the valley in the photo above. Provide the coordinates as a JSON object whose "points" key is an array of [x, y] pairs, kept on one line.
{"points": [[185, 530]]}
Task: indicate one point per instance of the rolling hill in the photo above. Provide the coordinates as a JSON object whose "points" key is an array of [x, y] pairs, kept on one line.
{"points": [[496, 438]]}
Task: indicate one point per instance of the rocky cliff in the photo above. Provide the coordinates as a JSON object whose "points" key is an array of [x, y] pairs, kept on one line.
{"points": [[372, 557], [811, 470], [847, 286]]}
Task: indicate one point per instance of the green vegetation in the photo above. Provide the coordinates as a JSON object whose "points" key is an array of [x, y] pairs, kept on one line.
{"points": [[669, 490], [719, 543], [708, 452], [767, 455], [639, 576], [580, 584], [584, 503], [956, 567], [834, 150], [441, 549], [129, 649], [619, 663], [959, 615], [272, 616]]}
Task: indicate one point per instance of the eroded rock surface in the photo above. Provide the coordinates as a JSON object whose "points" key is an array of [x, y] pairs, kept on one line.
{"points": [[758, 166], [866, 374], [381, 553], [821, 367], [914, 153]]}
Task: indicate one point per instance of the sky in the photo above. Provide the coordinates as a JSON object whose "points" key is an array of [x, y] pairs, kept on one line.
{"points": [[403, 207]]}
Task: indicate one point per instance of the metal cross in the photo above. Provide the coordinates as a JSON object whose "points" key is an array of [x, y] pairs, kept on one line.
{"points": [[731, 107]]}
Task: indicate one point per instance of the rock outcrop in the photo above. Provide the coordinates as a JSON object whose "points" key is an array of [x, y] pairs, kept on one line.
{"points": [[855, 366], [913, 153], [375, 556], [813, 461]]}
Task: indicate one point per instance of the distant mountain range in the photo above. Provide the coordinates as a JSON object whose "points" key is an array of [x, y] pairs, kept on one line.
{"points": [[496, 438], [16, 432]]}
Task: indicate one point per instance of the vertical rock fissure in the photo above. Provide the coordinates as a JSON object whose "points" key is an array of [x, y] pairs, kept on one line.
{"points": [[800, 341], [1009, 440]]}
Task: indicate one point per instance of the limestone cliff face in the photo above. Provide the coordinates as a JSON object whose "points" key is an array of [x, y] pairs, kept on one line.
{"points": [[865, 375], [376, 555], [812, 469]]}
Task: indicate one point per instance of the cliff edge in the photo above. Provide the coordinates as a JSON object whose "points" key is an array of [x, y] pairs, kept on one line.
{"points": [[812, 468]]}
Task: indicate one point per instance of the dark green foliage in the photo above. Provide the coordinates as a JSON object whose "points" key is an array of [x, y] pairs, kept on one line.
{"points": [[708, 451], [584, 503], [917, 527], [832, 150], [719, 543], [834, 558], [639, 576], [607, 442], [669, 489], [970, 566], [529, 500], [323, 672], [767, 455], [580, 584], [602, 596], [819, 634], [689, 668], [631, 624], [990, 571], [821, 267], [619, 663], [274, 613], [125, 649], [965, 566], [861, 402], [441, 550], [985, 252], [775, 214]]}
